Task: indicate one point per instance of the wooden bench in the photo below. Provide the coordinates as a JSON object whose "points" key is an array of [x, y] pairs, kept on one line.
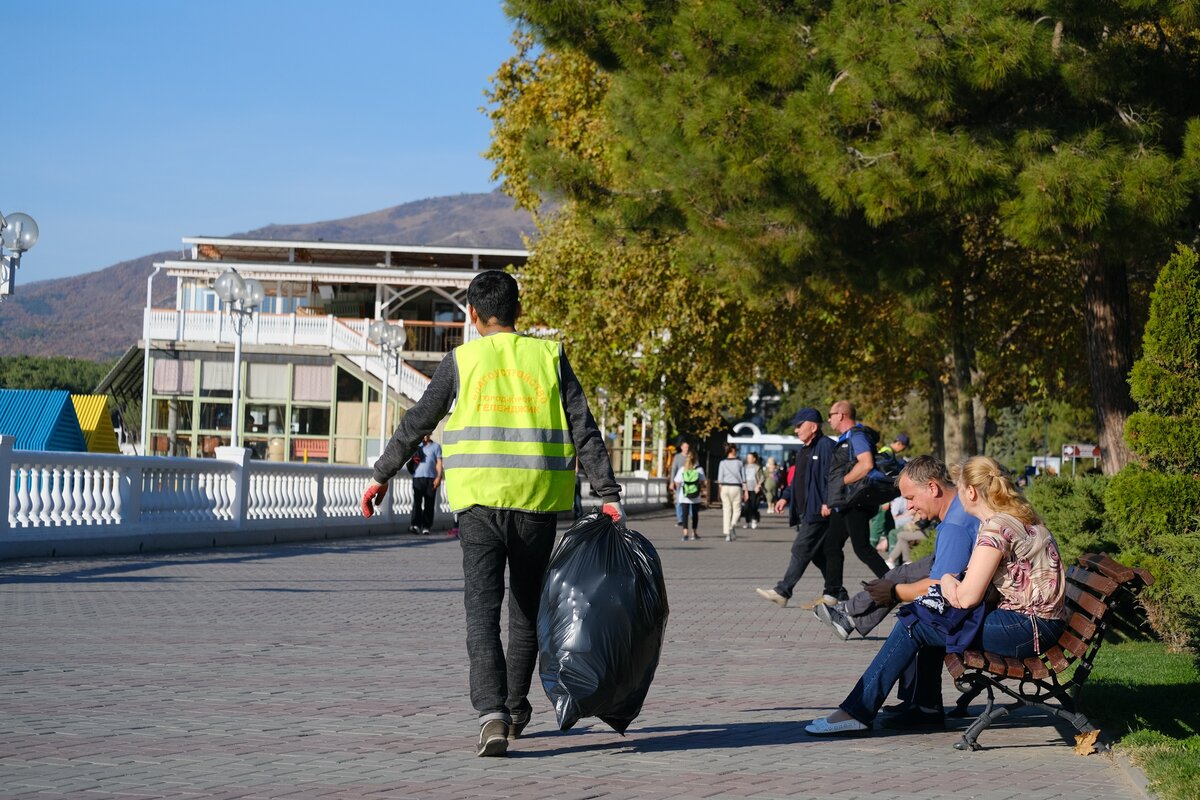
{"points": [[1094, 586]]}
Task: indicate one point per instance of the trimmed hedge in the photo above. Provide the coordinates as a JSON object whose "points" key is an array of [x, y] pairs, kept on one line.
{"points": [[1073, 510], [1154, 507]]}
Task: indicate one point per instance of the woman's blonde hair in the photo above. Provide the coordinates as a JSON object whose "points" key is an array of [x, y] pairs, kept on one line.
{"points": [[996, 488], [689, 462]]}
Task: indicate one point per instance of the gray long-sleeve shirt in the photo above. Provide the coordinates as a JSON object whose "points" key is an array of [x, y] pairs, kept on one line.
{"points": [[439, 396]]}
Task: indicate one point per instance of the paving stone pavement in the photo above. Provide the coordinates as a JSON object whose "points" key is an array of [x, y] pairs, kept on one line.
{"points": [[336, 670]]}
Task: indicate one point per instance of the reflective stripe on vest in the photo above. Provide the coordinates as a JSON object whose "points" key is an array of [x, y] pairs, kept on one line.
{"points": [[507, 443]]}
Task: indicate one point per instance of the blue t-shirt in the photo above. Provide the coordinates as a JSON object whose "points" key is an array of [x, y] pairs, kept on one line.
{"points": [[955, 541], [428, 466], [859, 444]]}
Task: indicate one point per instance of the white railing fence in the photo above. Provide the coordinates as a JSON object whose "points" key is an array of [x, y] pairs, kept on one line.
{"points": [[89, 503], [345, 336]]}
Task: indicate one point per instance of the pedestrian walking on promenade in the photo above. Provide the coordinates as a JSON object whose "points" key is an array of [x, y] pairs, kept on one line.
{"points": [[691, 486], [519, 420], [850, 516], [730, 477], [426, 478], [805, 499], [676, 467], [753, 477]]}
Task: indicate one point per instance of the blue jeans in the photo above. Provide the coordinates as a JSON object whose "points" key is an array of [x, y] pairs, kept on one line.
{"points": [[1005, 633], [491, 539]]}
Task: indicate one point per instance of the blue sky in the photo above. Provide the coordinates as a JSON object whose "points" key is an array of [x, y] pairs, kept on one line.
{"points": [[128, 124]]}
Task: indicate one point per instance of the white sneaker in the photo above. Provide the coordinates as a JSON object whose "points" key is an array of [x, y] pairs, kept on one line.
{"points": [[729, 537], [754, 524], [823, 727]]}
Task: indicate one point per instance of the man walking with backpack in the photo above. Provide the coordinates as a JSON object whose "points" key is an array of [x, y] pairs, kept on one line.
{"points": [[850, 499]]}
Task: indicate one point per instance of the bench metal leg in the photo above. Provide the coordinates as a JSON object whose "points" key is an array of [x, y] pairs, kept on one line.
{"points": [[964, 700], [991, 713]]}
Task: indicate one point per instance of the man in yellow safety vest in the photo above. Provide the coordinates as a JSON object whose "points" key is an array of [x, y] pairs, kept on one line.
{"points": [[519, 420]]}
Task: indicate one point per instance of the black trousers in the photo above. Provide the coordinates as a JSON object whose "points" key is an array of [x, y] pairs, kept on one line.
{"points": [[853, 524], [808, 547], [424, 500]]}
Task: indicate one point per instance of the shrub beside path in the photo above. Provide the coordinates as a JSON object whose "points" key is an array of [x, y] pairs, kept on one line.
{"points": [[336, 670]]}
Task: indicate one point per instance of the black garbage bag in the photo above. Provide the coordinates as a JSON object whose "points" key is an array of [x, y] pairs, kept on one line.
{"points": [[600, 623]]}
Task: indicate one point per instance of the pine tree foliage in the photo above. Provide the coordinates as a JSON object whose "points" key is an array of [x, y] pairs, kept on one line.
{"points": [[1165, 382], [793, 140], [1155, 505]]}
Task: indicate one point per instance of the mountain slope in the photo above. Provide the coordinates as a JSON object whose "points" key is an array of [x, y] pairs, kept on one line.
{"points": [[98, 315]]}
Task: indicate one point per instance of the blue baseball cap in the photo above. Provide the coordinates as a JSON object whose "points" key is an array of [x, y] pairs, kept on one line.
{"points": [[808, 414]]}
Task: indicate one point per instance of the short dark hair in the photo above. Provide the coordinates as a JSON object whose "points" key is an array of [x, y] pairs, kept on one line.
{"points": [[493, 294], [925, 468]]}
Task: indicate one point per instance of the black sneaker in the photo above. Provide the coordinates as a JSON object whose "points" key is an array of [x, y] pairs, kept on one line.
{"points": [[493, 738], [834, 618], [914, 719], [517, 727]]}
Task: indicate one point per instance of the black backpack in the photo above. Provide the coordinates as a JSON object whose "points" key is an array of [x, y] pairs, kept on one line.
{"points": [[868, 492], [888, 462]]}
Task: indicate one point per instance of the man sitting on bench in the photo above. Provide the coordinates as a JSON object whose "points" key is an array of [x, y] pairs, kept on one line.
{"points": [[926, 485], [1014, 554], [931, 495]]}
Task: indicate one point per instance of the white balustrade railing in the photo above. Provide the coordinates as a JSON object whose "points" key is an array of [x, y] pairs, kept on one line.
{"points": [[345, 336], [55, 502]]}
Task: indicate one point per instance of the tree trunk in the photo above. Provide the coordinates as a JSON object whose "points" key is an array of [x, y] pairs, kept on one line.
{"points": [[1109, 353], [937, 417], [962, 358]]}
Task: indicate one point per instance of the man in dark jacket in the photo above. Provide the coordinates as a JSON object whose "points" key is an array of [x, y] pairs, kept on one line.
{"points": [[805, 496]]}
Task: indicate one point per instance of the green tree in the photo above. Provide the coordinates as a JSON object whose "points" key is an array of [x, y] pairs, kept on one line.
{"points": [[635, 318], [75, 375], [858, 140], [1154, 505]]}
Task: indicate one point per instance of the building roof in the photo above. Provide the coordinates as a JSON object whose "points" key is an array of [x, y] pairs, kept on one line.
{"points": [[41, 419], [341, 262], [95, 422], [207, 248]]}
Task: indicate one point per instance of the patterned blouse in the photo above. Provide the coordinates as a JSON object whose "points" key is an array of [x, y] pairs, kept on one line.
{"points": [[1030, 576]]}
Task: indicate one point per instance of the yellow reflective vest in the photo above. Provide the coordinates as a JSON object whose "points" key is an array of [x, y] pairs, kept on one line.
{"points": [[507, 443]]}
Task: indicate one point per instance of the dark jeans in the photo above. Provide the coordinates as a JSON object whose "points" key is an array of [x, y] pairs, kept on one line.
{"points": [[1005, 633], [690, 515], [808, 546], [491, 539], [750, 511], [424, 499], [854, 524]]}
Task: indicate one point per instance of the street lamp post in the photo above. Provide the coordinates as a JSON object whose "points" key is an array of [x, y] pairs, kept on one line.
{"points": [[390, 339], [18, 233], [242, 298]]}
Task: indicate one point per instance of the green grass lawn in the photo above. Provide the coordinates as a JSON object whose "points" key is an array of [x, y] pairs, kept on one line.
{"points": [[1148, 701]]}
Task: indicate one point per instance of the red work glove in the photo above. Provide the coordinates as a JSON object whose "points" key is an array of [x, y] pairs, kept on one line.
{"points": [[372, 497], [616, 511]]}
